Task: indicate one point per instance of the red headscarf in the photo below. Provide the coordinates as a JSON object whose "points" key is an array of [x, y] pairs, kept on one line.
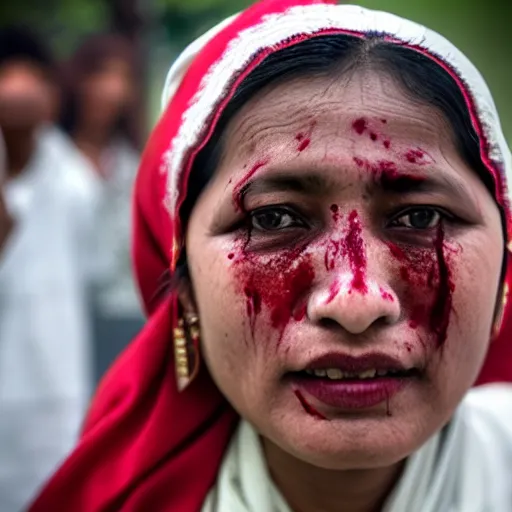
{"points": [[145, 446]]}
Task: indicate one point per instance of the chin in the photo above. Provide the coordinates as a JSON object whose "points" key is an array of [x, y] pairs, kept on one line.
{"points": [[351, 444]]}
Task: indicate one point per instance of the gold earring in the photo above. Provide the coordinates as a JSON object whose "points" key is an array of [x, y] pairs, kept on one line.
{"points": [[500, 316], [186, 350], [180, 356]]}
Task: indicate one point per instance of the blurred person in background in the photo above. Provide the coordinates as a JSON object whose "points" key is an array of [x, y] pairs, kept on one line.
{"points": [[99, 114], [44, 335], [6, 222]]}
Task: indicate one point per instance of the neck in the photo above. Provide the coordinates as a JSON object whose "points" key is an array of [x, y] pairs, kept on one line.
{"points": [[19, 146], [93, 136], [308, 488], [92, 142]]}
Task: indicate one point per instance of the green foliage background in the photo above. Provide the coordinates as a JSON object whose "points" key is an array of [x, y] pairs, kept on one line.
{"points": [[481, 28]]}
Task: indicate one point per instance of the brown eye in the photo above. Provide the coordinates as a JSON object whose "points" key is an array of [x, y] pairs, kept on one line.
{"points": [[274, 219], [419, 218]]}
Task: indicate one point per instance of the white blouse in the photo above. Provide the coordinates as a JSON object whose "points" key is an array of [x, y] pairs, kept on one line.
{"points": [[45, 381], [467, 467]]}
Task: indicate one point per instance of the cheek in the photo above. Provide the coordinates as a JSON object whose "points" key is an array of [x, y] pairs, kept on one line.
{"points": [[427, 278], [477, 282], [446, 291], [274, 285]]}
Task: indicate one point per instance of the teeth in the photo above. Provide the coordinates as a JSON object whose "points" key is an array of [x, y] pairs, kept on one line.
{"points": [[337, 374], [368, 374], [334, 373]]}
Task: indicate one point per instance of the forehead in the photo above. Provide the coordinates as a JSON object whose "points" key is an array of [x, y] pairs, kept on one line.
{"points": [[362, 108], [23, 69]]}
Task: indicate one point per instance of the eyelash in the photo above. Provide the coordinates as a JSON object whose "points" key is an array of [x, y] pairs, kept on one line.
{"points": [[443, 216], [297, 220]]}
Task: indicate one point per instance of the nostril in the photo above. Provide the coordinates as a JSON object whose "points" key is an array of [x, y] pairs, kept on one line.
{"points": [[329, 323]]}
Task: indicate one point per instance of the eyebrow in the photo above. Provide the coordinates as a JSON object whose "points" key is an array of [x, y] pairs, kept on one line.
{"points": [[394, 183], [433, 182], [310, 183]]}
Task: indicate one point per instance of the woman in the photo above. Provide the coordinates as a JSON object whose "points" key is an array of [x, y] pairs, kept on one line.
{"points": [[327, 187], [100, 115]]}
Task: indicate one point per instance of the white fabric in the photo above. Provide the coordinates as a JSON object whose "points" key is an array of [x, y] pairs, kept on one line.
{"points": [[44, 338], [276, 28], [465, 468]]}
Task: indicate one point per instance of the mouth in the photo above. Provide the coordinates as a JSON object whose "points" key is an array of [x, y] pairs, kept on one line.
{"points": [[369, 374], [347, 382]]}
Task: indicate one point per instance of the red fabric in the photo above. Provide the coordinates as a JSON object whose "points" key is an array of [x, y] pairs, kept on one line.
{"points": [[145, 447], [498, 364]]}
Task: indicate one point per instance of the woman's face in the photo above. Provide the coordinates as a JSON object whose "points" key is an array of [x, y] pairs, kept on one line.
{"points": [[345, 265]]}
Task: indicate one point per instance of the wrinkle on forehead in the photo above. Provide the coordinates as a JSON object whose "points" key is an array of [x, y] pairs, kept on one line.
{"points": [[287, 108]]}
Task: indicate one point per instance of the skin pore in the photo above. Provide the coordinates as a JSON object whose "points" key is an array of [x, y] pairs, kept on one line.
{"points": [[341, 220]]}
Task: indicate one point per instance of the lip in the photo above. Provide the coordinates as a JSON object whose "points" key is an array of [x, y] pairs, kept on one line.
{"points": [[352, 394], [347, 363]]}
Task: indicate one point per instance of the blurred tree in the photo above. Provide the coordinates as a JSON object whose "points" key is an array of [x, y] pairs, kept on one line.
{"points": [[63, 22]]}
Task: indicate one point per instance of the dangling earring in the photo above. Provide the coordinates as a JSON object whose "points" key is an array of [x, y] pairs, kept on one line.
{"points": [[186, 350], [498, 322]]}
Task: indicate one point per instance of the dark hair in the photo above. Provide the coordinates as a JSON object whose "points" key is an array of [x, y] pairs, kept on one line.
{"points": [[419, 76], [89, 59], [18, 43]]}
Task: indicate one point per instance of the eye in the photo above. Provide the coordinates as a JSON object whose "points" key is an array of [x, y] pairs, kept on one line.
{"points": [[275, 219], [418, 218]]}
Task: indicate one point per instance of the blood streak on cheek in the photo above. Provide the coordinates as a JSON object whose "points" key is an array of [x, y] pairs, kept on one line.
{"points": [[253, 306], [308, 407], [238, 190], [440, 315], [429, 286], [278, 284]]}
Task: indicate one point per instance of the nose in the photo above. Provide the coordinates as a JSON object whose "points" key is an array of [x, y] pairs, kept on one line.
{"points": [[353, 309]]}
